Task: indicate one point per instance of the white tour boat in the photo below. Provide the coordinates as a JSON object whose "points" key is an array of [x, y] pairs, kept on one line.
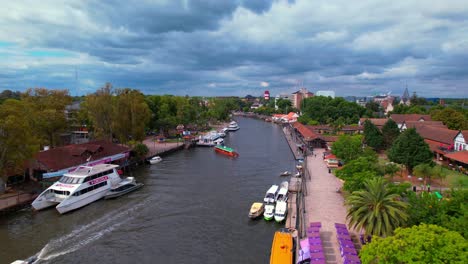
{"points": [[233, 126], [283, 192], [271, 194], [78, 188], [281, 210]]}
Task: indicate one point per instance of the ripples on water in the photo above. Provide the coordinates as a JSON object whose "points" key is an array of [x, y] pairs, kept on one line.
{"points": [[192, 209]]}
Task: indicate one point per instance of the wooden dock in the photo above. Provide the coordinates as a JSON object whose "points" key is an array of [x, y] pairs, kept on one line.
{"points": [[292, 212]]}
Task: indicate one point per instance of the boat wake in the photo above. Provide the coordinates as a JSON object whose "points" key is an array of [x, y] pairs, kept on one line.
{"points": [[86, 234]]}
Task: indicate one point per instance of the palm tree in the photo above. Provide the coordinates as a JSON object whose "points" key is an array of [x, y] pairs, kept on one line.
{"points": [[376, 209]]}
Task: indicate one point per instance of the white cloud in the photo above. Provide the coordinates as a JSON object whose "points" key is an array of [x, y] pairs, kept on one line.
{"points": [[264, 84]]}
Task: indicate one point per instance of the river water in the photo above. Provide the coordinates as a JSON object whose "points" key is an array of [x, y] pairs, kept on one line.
{"points": [[192, 209]]}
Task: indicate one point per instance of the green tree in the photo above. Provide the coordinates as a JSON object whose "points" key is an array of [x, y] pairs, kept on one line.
{"points": [[131, 115], [418, 244], [376, 209], [390, 132], [348, 147], [17, 140], [372, 135], [357, 171], [47, 112], [424, 170], [326, 109], [99, 107], [452, 118], [410, 150], [284, 105]]}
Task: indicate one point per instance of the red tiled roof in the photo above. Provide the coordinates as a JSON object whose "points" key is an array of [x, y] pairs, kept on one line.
{"points": [[465, 135], [306, 133], [460, 156], [329, 138], [331, 156], [376, 121], [73, 155], [414, 124], [439, 134], [400, 118], [435, 146]]}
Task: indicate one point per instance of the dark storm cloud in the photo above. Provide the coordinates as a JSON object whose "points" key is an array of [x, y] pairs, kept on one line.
{"points": [[229, 47]]}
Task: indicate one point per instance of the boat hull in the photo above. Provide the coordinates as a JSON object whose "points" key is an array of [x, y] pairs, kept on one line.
{"points": [[268, 217], [118, 194], [67, 206], [282, 248], [227, 153]]}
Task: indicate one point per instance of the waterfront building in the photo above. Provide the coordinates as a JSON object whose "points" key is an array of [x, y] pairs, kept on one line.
{"points": [[378, 122], [289, 118], [326, 93], [461, 140], [57, 161], [400, 119]]}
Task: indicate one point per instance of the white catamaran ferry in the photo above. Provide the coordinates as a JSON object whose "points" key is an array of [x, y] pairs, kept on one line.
{"points": [[79, 188]]}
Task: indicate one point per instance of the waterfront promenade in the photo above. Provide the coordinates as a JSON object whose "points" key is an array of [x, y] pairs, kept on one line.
{"points": [[156, 148], [324, 204]]}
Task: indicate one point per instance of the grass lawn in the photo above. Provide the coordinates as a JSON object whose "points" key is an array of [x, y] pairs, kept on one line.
{"points": [[456, 179]]}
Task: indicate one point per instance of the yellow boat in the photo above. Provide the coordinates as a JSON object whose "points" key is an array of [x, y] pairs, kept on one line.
{"points": [[282, 248]]}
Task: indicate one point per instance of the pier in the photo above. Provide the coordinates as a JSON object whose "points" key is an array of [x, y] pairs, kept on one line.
{"points": [[13, 201], [160, 149]]}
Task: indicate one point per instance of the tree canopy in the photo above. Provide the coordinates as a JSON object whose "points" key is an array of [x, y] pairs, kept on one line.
{"points": [[326, 109], [390, 132], [410, 150], [348, 147], [376, 209], [418, 244], [372, 136], [452, 118]]}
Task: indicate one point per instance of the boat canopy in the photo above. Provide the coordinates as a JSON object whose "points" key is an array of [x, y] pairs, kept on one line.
{"points": [[225, 148], [273, 189]]}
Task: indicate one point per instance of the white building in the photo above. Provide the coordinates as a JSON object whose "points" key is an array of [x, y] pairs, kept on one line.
{"points": [[325, 93]]}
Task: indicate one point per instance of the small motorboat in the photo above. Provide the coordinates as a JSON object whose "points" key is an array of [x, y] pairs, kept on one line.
{"points": [[125, 186], [282, 195], [281, 210], [286, 173], [297, 175], [270, 195], [256, 210], [155, 160], [269, 212], [219, 142]]}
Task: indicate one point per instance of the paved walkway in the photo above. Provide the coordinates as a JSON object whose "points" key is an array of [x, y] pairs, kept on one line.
{"points": [[323, 204], [14, 199], [156, 148], [297, 154]]}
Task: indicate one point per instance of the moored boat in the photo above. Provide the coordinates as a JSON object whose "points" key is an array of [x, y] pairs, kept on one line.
{"points": [[155, 160], [285, 173], [233, 126], [271, 194], [282, 194], [269, 212], [125, 186], [281, 209], [78, 188], [226, 151], [256, 210], [282, 248]]}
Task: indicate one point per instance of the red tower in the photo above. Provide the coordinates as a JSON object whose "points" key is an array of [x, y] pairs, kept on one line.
{"points": [[266, 95]]}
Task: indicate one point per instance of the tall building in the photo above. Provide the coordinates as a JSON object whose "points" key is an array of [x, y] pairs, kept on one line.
{"points": [[299, 96], [266, 95], [405, 99]]}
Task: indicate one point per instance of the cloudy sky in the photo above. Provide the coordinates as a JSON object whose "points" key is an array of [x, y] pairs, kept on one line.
{"points": [[239, 47]]}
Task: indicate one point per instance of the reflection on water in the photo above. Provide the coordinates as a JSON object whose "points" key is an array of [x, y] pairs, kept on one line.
{"points": [[192, 209]]}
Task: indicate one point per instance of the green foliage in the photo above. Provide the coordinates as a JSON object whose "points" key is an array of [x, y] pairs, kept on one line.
{"points": [[357, 171], [100, 111], [284, 105], [348, 147], [140, 150], [416, 100], [450, 212], [130, 115], [418, 244], [410, 150], [390, 132], [326, 109], [8, 94], [372, 135], [376, 209], [46, 108], [452, 118], [17, 140]]}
